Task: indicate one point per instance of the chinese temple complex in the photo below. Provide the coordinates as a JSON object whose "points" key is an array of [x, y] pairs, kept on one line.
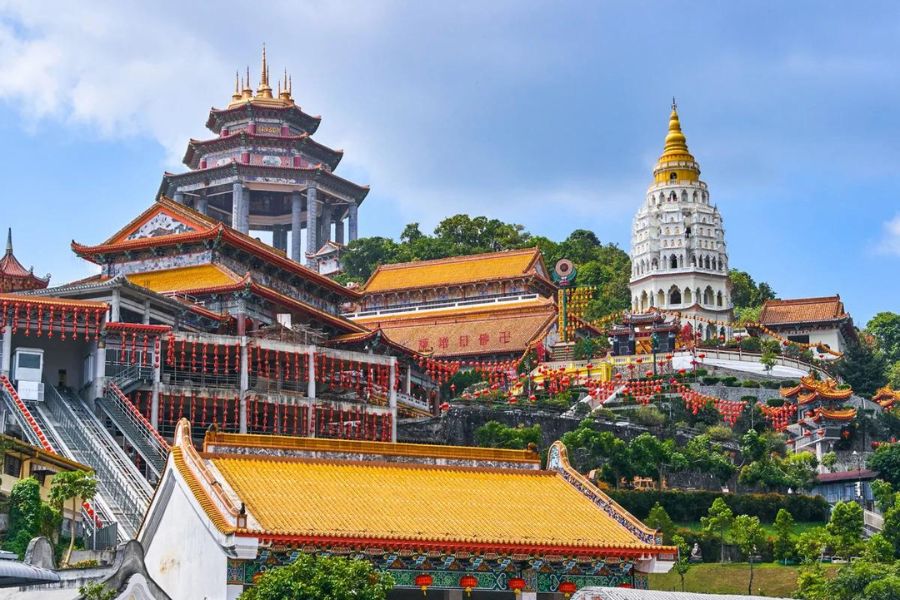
{"points": [[437, 518], [821, 324], [634, 333], [264, 172], [678, 256], [13, 276], [491, 306]]}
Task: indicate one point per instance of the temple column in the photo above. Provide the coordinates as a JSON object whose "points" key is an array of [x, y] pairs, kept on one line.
{"points": [[339, 231], [407, 381], [311, 391], [115, 305], [325, 224], [154, 394], [312, 222], [245, 369], [202, 204], [279, 237], [145, 319], [392, 398], [7, 351], [296, 226], [523, 595], [353, 225], [240, 208], [100, 368], [179, 197]]}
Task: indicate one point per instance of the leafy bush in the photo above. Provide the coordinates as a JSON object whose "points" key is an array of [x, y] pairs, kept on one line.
{"points": [[25, 512], [649, 416], [710, 380], [730, 381], [496, 435], [749, 383], [751, 344], [775, 402], [701, 372], [719, 433], [604, 414], [771, 385], [689, 506]]}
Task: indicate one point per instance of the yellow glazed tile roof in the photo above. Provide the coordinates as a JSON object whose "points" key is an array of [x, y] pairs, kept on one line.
{"points": [[184, 278], [403, 502], [452, 271]]}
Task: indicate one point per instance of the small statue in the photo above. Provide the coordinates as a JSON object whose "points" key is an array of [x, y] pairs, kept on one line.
{"points": [[696, 555]]}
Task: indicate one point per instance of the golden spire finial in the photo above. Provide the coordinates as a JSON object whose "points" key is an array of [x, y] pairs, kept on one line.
{"points": [[264, 91], [236, 96], [676, 162], [284, 92], [246, 91]]}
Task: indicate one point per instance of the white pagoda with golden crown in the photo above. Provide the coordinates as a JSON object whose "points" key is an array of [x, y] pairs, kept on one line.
{"points": [[678, 256]]}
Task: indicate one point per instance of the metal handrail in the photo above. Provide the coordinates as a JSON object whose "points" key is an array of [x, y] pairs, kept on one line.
{"points": [[156, 442], [119, 480]]}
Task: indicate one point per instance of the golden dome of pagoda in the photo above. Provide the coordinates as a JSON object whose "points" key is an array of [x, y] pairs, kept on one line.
{"points": [[676, 163]]}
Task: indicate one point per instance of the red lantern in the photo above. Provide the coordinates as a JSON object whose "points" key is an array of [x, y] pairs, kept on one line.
{"points": [[467, 582], [567, 587], [516, 584], [423, 581]]}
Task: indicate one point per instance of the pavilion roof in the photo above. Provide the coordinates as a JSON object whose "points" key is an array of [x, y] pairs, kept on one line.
{"points": [[458, 270], [195, 147], [803, 310], [357, 497], [810, 389], [167, 222], [478, 330], [11, 268]]}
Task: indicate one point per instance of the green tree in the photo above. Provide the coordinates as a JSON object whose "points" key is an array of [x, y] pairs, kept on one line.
{"points": [[658, 518], [589, 448], [496, 435], [717, 523], [878, 549], [654, 458], [683, 562], [884, 495], [885, 326], [706, 456], [784, 535], [95, 590], [846, 528], [768, 358], [363, 255], [24, 515], [886, 588], [864, 369], [811, 544], [893, 375], [812, 584], [892, 527], [853, 580], [77, 486], [321, 578], [745, 292], [829, 459], [886, 460], [748, 535]]}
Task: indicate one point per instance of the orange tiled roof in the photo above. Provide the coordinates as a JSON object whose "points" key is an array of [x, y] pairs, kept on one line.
{"points": [[184, 279], [51, 301], [802, 310], [400, 504], [470, 331], [455, 270], [810, 389]]}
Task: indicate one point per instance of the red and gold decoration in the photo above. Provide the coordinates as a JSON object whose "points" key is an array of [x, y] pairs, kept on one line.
{"points": [[68, 319]]}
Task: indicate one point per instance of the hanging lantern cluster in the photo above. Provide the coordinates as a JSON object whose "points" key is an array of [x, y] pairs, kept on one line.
{"points": [[819, 347], [197, 356], [137, 342], [779, 416], [40, 317], [202, 411], [354, 423], [270, 363], [439, 371], [366, 379]]}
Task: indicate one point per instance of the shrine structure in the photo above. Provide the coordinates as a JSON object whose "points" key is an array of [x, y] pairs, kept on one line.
{"points": [[437, 518], [492, 306], [13, 276], [264, 171], [820, 324]]}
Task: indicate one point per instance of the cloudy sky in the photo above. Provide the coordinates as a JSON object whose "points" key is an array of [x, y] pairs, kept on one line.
{"points": [[550, 114]]}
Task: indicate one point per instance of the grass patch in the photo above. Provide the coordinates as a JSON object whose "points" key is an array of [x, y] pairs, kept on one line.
{"points": [[769, 579]]}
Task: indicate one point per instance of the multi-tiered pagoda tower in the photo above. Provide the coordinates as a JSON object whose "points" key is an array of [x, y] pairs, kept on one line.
{"points": [[265, 172]]}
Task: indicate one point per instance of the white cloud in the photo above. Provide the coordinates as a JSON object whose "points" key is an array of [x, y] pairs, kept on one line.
{"points": [[890, 239]]}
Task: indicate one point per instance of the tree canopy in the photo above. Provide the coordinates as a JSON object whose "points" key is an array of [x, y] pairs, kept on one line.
{"points": [[313, 577]]}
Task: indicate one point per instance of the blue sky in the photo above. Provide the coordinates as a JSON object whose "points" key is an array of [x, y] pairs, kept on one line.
{"points": [[549, 114]]}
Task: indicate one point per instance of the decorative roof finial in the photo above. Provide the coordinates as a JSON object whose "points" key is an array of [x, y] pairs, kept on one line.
{"points": [[284, 91], [236, 96], [264, 91], [9, 241], [674, 104], [246, 90]]}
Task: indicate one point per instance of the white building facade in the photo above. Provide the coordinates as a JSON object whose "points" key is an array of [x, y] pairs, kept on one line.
{"points": [[679, 261]]}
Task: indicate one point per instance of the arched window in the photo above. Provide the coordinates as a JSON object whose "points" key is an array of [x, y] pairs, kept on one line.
{"points": [[683, 196], [674, 296], [660, 299], [673, 262], [693, 260], [694, 197], [706, 262], [687, 296], [714, 268], [719, 299], [654, 265], [643, 301], [708, 296]]}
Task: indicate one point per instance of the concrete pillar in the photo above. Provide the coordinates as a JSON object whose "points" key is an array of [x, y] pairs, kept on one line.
{"points": [[240, 207], [202, 205], [527, 595], [339, 231], [407, 381], [296, 226], [392, 399], [145, 319], [7, 351], [454, 595], [179, 197], [311, 390], [100, 368], [115, 306], [324, 225], [279, 238], [244, 372], [353, 226], [154, 395], [312, 222]]}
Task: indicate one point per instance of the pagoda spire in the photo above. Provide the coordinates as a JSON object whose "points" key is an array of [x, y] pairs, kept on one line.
{"points": [[264, 91], [247, 91], [9, 249], [236, 96]]}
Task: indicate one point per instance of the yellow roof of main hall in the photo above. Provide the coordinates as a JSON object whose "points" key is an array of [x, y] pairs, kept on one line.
{"points": [[184, 278], [453, 271], [375, 501]]}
